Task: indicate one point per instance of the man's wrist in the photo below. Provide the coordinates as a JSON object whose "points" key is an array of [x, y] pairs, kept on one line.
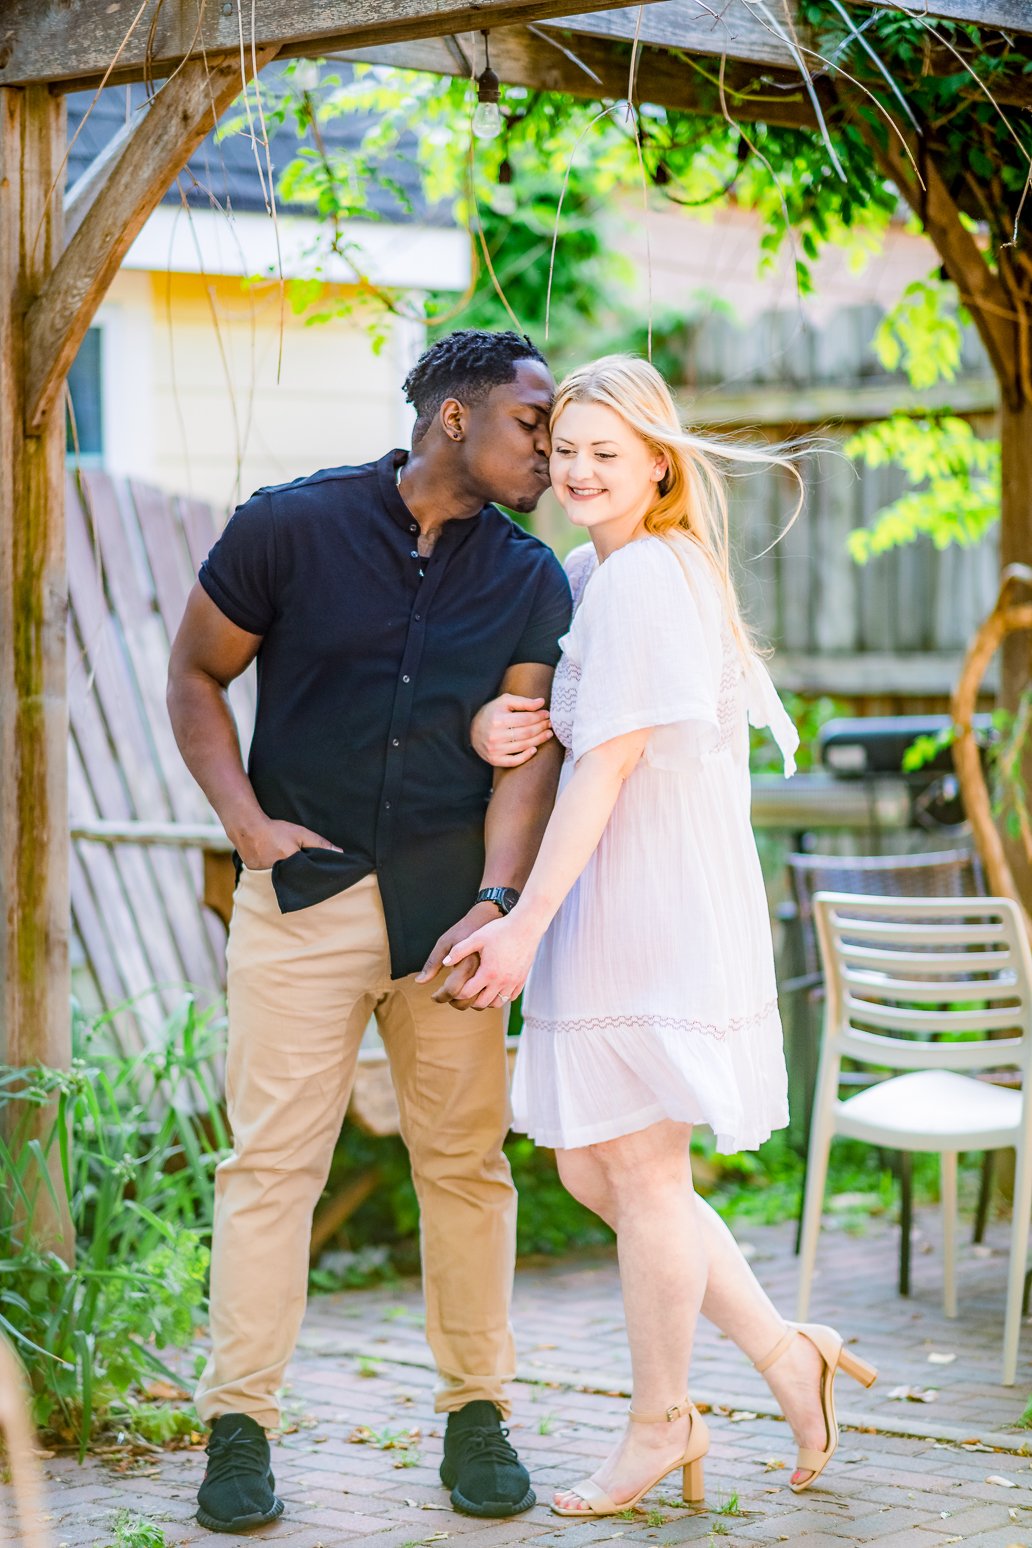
{"points": [[503, 898], [244, 824]]}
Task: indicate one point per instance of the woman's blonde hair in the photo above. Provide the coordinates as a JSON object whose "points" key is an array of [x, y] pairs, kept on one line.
{"points": [[692, 495]]}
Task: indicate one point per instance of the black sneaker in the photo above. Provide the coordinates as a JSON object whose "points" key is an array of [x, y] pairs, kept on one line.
{"points": [[483, 1472], [238, 1491]]}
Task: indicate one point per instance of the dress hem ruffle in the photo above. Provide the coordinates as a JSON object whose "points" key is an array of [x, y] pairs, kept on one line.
{"points": [[591, 1079], [644, 1118]]}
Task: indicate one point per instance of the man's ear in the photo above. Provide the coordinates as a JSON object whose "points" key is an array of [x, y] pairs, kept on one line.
{"points": [[453, 419]]}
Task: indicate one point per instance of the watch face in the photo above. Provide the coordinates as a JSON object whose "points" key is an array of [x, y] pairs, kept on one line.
{"points": [[509, 898]]}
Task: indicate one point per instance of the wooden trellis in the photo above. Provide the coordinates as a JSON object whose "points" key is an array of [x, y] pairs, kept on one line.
{"points": [[56, 264]]}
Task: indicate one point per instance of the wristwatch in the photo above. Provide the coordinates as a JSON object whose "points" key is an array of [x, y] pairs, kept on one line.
{"points": [[504, 898]]}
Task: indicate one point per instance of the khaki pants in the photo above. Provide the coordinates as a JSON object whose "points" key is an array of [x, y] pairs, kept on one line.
{"points": [[301, 989]]}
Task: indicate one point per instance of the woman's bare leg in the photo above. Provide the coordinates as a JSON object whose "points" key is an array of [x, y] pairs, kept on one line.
{"points": [[734, 1301], [646, 1178], [738, 1305]]}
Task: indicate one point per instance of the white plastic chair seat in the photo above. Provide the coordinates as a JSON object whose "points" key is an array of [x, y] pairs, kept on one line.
{"points": [[932, 1110]]}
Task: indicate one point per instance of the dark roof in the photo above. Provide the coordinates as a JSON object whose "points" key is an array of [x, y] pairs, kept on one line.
{"points": [[227, 172]]}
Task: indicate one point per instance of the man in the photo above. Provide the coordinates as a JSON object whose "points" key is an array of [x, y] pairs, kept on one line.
{"points": [[384, 603]]}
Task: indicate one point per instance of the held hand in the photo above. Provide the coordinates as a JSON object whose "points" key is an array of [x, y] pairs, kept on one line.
{"points": [[453, 990], [509, 730], [506, 950], [275, 841]]}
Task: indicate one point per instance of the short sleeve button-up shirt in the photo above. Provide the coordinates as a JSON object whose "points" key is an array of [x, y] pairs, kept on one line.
{"points": [[372, 665]]}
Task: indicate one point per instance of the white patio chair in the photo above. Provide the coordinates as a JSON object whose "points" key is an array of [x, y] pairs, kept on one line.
{"points": [[898, 974]]}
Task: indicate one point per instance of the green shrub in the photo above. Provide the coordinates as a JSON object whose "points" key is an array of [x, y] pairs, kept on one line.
{"points": [[138, 1136]]}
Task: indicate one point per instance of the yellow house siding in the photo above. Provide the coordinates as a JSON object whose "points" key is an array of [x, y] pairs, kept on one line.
{"points": [[224, 424]]}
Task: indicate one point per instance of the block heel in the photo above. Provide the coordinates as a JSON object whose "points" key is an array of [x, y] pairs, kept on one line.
{"points": [[693, 1490], [859, 1369]]}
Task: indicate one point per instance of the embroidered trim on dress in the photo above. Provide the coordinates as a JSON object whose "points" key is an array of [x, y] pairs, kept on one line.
{"points": [[663, 1023], [729, 701], [564, 699]]}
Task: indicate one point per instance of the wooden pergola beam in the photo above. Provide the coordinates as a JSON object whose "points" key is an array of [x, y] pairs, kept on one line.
{"points": [[732, 28], [742, 30], [39, 43], [137, 175], [736, 32], [1006, 15], [35, 45], [524, 56]]}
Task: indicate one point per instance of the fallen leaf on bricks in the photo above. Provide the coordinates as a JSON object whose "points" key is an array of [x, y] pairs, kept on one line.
{"points": [[741, 1414], [914, 1394], [772, 1464], [1004, 1483]]}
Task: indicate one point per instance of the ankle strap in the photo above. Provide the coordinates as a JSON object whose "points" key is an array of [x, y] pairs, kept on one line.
{"points": [[778, 1350], [675, 1411]]}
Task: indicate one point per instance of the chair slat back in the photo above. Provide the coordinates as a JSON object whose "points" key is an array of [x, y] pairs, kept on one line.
{"points": [[947, 873], [890, 1004]]}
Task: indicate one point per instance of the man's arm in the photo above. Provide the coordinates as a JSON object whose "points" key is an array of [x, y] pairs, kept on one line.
{"points": [[208, 652], [517, 816]]}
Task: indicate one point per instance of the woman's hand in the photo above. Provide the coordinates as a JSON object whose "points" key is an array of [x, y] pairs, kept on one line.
{"points": [[506, 948], [509, 730]]}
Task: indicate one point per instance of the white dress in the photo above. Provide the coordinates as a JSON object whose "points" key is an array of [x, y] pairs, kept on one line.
{"points": [[652, 994]]}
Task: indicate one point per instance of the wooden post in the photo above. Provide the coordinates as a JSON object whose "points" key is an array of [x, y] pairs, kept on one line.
{"points": [[34, 977]]}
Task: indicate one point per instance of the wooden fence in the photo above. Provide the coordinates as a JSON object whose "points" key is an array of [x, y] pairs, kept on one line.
{"points": [[137, 926], [890, 634]]}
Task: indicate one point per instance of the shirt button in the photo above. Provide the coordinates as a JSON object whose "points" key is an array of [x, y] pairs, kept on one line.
{"points": [[395, 743], [387, 806], [414, 554], [406, 679], [417, 616], [414, 527]]}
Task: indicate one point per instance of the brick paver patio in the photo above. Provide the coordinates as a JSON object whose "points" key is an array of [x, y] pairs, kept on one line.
{"points": [[906, 1473]]}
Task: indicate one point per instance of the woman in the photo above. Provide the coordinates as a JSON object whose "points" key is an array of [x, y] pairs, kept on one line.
{"points": [[652, 1005]]}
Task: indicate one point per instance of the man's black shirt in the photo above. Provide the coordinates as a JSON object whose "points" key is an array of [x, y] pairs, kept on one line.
{"points": [[372, 665]]}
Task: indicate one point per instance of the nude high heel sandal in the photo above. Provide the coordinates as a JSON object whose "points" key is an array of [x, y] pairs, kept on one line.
{"points": [[598, 1501], [836, 1356]]}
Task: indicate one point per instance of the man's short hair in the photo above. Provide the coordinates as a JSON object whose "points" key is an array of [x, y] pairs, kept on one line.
{"points": [[464, 365]]}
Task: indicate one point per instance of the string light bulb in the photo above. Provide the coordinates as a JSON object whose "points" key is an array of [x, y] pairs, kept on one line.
{"points": [[487, 117]]}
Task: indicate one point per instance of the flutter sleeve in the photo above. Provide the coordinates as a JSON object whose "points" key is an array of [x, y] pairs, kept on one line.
{"points": [[646, 644], [766, 709]]}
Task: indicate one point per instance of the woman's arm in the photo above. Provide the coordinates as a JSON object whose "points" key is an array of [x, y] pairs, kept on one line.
{"points": [[507, 946]]}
